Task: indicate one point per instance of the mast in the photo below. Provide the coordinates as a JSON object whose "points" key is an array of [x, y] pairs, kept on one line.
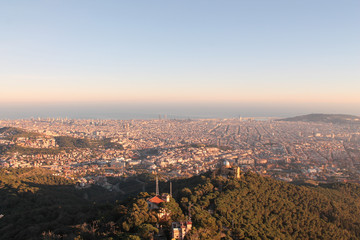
{"points": [[157, 186], [189, 211], [170, 189]]}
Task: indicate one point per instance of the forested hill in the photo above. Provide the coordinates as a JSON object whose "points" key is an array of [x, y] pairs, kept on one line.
{"points": [[63, 143], [34, 201], [326, 118], [255, 207], [43, 206]]}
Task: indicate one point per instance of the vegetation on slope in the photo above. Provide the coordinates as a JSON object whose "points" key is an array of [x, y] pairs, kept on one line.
{"points": [[13, 133], [262, 208], [34, 201], [71, 142], [38, 205], [28, 150], [63, 143]]}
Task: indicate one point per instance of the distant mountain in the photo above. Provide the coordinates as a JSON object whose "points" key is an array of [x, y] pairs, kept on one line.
{"points": [[327, 118]]}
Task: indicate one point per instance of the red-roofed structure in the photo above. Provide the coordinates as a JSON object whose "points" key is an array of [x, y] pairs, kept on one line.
{"points": [[156, 200], [153, 203]]}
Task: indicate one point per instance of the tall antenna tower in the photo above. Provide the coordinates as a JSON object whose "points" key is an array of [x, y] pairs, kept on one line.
{"points": [[170, 189], [189, 210], [157, 186]]}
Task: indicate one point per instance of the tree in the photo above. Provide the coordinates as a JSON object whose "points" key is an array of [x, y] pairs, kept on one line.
{"points": [[147, 231], [132, 237]]}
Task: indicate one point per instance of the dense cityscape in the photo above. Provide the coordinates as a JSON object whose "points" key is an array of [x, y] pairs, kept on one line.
{"points": [[290, 151], [179, 120]]}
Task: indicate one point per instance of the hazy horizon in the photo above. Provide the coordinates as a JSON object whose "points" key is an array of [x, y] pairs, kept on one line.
{"points": [[152, 111], [196, 59]]}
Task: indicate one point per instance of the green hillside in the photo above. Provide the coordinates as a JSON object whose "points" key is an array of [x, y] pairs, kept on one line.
{"points": [[65, 143], [253, 207], [13, 133], [38, 205], [33, 201]]}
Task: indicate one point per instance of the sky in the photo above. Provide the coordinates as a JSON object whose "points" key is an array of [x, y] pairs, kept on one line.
{"points": [[199, 57]]}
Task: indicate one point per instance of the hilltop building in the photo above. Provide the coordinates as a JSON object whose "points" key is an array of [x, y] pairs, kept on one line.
{"points": [[179, 229], [154, 202], [227, 170]]}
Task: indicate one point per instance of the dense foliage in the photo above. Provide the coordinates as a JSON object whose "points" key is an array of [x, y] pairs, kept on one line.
{"points": [[65, 143], [28, 150], [13, 133], [70, 142], [38, 205], [34, 201], [262, 208], [108, 144]]}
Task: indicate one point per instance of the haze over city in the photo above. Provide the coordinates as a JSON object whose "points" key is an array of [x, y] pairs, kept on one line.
{"points": [[126, 59], [158, 120]]}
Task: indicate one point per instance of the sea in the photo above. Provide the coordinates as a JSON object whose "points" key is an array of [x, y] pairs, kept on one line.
{"points": [[121, 111]]}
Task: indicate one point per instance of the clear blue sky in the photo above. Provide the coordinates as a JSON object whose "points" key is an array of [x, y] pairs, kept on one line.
{"points": [[304, 53]]}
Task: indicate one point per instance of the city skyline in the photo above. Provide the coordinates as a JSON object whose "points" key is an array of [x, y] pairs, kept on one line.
{"points": [[299, 57], [179, 119]]}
